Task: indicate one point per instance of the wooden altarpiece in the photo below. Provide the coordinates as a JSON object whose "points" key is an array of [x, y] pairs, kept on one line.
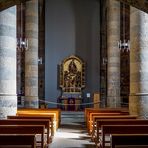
{"points": [[72, 81]]}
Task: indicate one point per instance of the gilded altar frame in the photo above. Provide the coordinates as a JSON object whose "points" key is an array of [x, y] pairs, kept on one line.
{"points": [[72, 75]]}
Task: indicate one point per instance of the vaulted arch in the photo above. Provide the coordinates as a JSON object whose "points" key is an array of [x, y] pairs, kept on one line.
{"points": [[4, 4], [139, 4]]}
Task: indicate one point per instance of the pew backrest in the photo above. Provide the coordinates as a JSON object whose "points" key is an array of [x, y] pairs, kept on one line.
{"points": [[18, 140], [104, 110], [55, 111], [24, 129], [103, 122], [38, 117], [129, 140], [44, 122], [122, 129]]}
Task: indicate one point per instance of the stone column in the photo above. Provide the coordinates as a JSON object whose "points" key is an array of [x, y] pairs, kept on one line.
{"points": [[8, 98], [138, 102], [113, 67], [31, 56]]}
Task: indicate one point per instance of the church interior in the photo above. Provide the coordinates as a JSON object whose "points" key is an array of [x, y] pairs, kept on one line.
{"points": [[73, 73]]}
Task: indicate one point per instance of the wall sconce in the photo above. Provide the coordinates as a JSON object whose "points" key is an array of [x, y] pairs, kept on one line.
{"points": [[124, 46], [22, 44], [40, 61], [104, 60], [87, 95]]}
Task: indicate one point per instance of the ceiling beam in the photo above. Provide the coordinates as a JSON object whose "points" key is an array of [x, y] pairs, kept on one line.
{"points": [[4, 4], [139, 4]]}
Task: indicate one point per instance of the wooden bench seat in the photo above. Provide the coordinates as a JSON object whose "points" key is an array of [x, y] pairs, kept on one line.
{"points": [[50, 111], [129, 140], [104, 110], [93, 117], [53, 115], [99, 118], [44, 122], [18, 140], [40, 117], [102, 122], [24, 129], [121, 129], [90, 112]]}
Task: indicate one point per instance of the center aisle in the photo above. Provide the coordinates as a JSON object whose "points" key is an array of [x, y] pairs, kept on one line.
{"points": [[72, 132]]}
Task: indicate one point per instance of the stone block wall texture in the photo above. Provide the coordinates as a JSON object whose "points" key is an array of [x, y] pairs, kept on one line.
{"points": [[31, 55], [139, 63], [8, 99], [113, 36]]}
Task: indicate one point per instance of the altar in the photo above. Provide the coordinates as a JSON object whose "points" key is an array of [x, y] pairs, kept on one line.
{"points": [[72, 81], [71, 104]]}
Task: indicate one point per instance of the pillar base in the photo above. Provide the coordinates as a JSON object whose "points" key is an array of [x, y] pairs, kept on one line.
{"points": [[8, 106], [31, 102]]}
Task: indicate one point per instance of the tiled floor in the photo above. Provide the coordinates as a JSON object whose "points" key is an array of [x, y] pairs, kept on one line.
{"points": [[72, 134]]}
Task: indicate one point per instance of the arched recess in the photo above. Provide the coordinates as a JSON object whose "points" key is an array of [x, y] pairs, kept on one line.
{"points": [[141, 4], [4, 4]]}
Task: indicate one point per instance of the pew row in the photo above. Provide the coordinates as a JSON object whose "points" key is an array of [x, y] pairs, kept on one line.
{"points": [[134, 140], [96, 126], [50, 111], [37, 117], [102, 122], [93, 117], [104, 110], [44, 122], [24, 129], [120, 129], [14, 140]]}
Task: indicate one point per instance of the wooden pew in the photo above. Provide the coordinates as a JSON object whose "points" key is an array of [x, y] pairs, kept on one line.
{"points": [[103, 110], [53, 115], [44, 122], [98, 118], [93, 116], [102, 122], [24, 129], [129, 140], [49, 118], [51, 111], [18, 139], [121, 129]]}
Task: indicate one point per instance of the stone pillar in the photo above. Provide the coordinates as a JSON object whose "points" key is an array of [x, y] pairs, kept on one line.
{"points": [[31, 56], [8, 98], [138, 102], [113, 67]]}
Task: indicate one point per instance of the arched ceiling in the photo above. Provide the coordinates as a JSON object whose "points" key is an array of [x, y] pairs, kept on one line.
{"points": [[139, 4], [4, 4]]}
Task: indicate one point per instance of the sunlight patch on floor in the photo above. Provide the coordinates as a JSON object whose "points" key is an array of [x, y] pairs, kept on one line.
{"points": [[67, 135]]}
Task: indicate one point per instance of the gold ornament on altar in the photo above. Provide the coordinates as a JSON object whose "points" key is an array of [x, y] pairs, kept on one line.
{"points": [[72, 75]]}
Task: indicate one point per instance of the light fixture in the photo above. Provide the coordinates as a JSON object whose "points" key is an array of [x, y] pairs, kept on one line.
{"points": [[124, 44], [104, 60], [22, 44], [40, 61], [21, 41]]}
